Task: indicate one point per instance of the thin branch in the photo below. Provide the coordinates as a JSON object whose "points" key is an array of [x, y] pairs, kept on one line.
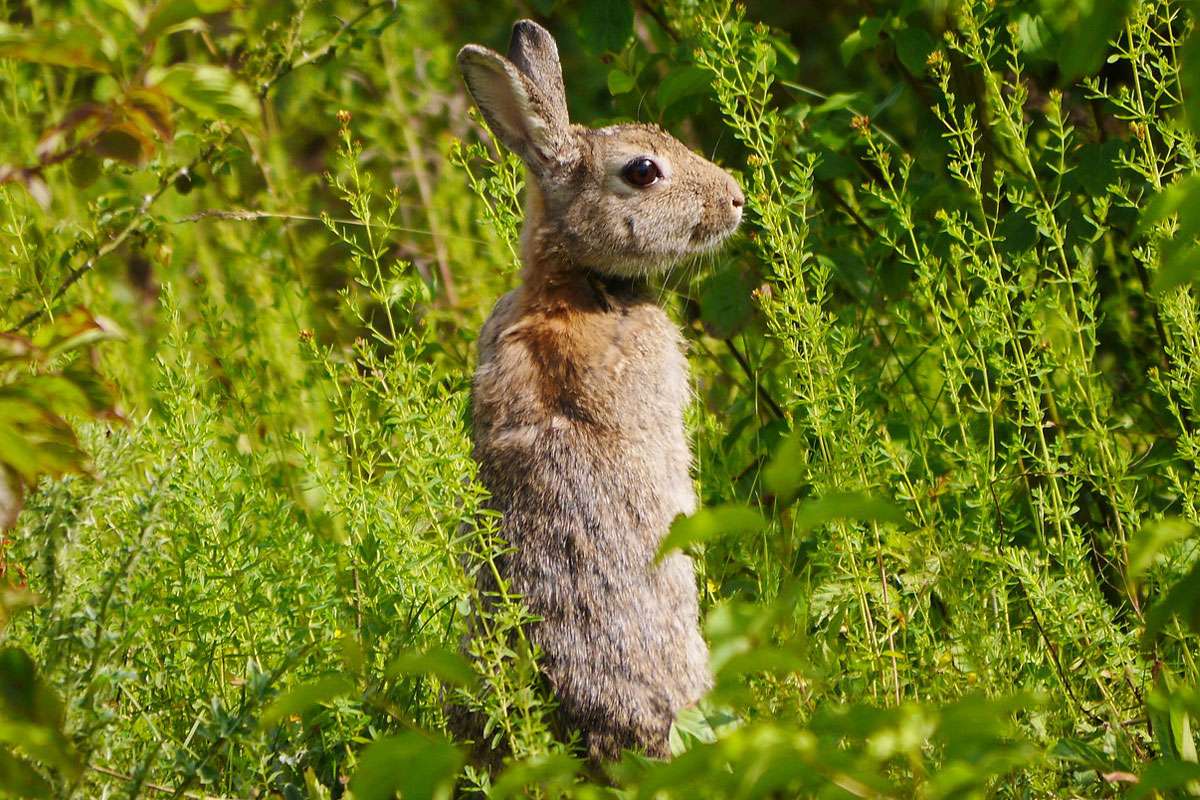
{"points": [[154, 787], [750, 374], [250, 215], [166, 181]]}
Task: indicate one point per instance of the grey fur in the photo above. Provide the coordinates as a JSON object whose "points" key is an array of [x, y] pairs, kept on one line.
{"points": [[579, 399]]}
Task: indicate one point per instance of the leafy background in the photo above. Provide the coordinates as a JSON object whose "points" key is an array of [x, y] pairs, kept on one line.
{"points": [[945, 424]]}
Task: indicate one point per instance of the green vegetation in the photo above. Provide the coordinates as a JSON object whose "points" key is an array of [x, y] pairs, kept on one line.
{"points": [[948, 390]]}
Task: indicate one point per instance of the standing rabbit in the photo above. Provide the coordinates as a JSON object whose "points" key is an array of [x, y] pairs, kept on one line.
{"points": [[579, 399]]}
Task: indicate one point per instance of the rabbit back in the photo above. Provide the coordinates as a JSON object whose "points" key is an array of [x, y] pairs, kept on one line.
{"points": [[578, 408]]}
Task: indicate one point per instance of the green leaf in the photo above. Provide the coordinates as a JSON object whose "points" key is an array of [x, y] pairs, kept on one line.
{"points": [[836, 102], [544, 771], [316, 790], [861, 40], [63, 43], [119, 144], [606, 25], [619, 82], [1083, 40], [1181, 600], [683, 82], [169, 13], [845, 505], [1162, 775], [447, 666], [414, 764], [708, 523], [1033, 36], [1180, 265], [83, 170], [208, 91], [34, 441], [1189, 79], [1078, 751], [1183, 194], [305, 696], [779, 660], [20, 779], [31, 714], [913, 46], [1150, 541], [786, 472], [73, 331], [725, 305]]}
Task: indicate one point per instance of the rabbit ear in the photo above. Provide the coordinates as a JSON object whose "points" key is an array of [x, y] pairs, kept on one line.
{"points": [[532, 50], [517, 110]]}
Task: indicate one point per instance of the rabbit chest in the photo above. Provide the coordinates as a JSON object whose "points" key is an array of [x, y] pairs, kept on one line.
{"points": [[586, 398]]}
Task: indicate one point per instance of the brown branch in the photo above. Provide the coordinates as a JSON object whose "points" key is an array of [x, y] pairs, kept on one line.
{"points": [[154, 787]]}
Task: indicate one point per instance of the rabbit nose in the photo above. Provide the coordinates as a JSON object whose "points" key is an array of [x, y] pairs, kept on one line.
{"points": [[738, 199]]}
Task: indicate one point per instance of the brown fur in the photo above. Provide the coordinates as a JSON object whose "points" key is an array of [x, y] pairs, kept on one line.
{"points": [[579, 399]]}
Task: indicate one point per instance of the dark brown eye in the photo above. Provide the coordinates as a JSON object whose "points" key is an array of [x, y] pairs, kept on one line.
{"points": [[641, 172]]}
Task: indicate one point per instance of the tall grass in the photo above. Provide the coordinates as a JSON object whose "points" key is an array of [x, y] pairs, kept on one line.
{"points": [[944, 416]]}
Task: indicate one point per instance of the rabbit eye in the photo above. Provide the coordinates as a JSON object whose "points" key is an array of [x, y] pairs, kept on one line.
{"points": [[641, 172]]}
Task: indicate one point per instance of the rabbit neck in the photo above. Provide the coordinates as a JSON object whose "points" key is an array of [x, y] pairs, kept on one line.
{"points": [[549, 268]]}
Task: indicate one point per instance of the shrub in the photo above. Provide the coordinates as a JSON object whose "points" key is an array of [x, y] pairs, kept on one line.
{"points": [[946, 391]]}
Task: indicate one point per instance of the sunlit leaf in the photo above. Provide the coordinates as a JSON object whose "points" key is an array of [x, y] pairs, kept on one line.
{"points": [[1162, 775], [836, 102], [415, 765], [709, 523], [619, 82], [862, 39], [169, 13], [305, 696], [208, 91], [545, 772], [1152, 539], [63, 42], [786, 471], [845, 505], [18, 778], [1182, 194], [447, 666], [72, 331], [1182, 600], [1180, 265]]}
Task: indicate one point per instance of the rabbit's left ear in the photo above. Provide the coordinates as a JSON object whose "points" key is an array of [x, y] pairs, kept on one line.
{"points": [[523, 99], [533, 51]]}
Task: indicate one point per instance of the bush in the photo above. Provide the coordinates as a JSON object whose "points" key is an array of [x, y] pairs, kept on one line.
{"points": [[944, 426]]}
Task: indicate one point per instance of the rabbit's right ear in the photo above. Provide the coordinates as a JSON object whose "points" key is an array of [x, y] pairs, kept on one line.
{"points": [[531, 122]]}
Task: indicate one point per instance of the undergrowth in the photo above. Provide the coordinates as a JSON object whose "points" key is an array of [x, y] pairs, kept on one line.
{"points": [[944, 426]]}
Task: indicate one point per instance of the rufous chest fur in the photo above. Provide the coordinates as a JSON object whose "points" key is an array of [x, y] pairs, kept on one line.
{"points": [[601, 371]]}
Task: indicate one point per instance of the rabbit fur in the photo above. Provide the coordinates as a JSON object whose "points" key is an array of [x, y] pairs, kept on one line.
{"points": [[579, 396]]}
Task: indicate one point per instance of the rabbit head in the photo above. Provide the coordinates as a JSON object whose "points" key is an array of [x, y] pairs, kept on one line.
{"points": [[626, 200]]}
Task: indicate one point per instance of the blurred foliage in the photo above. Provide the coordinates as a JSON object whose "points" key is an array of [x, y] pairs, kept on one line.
{"points": [[944, 426]]}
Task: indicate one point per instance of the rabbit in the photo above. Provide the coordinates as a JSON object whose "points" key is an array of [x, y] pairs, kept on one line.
{"points": [[579, 396]]}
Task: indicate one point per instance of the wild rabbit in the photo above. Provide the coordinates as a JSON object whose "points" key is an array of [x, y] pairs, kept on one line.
{"points": [[579, 398]]}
